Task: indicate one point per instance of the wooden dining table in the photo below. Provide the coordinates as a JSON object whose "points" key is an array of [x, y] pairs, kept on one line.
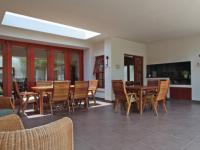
{"points": [[41, 91], [141, 90]]}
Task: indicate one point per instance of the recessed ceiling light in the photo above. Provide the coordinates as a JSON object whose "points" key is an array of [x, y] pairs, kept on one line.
{"points": [[35, 24]]}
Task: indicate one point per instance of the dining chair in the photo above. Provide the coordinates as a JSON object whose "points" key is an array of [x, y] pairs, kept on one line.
{"points": [[121, 96], [7, 105], [92, 89], [80, 93], [160, 97], [25, 98], [150, 93], [61, 91]]}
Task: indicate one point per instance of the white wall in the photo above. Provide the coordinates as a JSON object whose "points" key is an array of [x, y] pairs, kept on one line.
{"points": [[115, 48], [185, 49]]}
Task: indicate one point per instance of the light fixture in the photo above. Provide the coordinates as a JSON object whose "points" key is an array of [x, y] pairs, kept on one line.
{"points": [[107, 57], [35, 24]]}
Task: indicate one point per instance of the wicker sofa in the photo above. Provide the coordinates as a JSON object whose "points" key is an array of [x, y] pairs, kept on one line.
{"points": [[57, 135]]}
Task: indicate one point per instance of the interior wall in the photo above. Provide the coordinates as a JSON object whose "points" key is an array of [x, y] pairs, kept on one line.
{"points": [[116, 52], [185, 49]]}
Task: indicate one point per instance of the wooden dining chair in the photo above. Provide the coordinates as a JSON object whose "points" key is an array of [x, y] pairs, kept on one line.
{"points": [[92, 89], [161, 96], [150, 93], [25, 98], [61, 91], [121, 96], [80, 93]]}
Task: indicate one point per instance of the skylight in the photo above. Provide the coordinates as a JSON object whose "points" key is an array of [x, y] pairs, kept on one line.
{"points": [[35, 24]]}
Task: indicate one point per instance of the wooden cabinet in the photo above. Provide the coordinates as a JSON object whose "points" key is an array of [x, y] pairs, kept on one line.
{"points": [[181, 93]]}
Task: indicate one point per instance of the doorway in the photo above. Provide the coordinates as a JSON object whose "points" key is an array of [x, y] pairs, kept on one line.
{"points": [[133, 68]]}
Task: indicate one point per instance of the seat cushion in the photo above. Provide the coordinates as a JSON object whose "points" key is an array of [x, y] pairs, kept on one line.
{"points": [[4, 112]]}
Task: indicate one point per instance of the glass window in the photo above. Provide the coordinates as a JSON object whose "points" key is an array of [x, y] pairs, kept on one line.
{"points": [[74, 69], [1, 70], [19, 66], [59, 66], [40, 64]]}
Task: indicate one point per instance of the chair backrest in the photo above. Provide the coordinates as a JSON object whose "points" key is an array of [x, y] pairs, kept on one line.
{"points": [[61, 90], [153, 82], [52, 136], [93, 85], [16, 90], [44, 83], [119, 90], [81, 89], [162, 90]]}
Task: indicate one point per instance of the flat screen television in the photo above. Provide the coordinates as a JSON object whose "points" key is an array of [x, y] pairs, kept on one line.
{"points": [[178, 72]]}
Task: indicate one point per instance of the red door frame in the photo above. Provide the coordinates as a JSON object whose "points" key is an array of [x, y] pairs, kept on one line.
{"points": [[7, 62]]}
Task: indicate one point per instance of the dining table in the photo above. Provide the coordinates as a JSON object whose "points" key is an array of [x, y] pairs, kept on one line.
{"points": [[141, 89], [41, 90]]}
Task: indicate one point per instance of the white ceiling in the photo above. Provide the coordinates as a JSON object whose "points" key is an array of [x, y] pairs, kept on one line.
{"points": [[136, 20]]}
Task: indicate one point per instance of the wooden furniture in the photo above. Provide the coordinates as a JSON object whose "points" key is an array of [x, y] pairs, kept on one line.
{"points": [[141, 90], [80, 93], [92, 89], [41, 90], [61, 91], [121, 95], [181, 93], [57, 135], [161, 96], [7, 103], [24, 98]]}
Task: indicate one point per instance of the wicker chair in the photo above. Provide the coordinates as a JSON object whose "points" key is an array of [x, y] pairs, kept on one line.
{"points": [[57, 135], [121, 96], [80, 93], [92, 89], [61, 92]]}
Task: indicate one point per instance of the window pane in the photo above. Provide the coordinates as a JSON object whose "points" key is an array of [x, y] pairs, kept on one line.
{"points": [[131, 72], [125, 73], [19, 66], [74, 72], [59, 66], [40, 64], [1, 70]]}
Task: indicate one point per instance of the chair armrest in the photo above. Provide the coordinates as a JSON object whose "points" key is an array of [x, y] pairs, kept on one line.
{"points": [[10, 123], [7, 102]]}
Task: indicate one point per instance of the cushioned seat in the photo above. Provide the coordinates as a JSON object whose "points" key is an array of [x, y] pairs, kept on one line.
{"points": [[4, 112]]}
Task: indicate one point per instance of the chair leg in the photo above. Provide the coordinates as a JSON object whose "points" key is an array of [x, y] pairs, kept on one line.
{"points": [[73, 105], [128, 108], [86, 103], [94, 99], [51, 107], [164, 106], [116, 105], [155, 107]]}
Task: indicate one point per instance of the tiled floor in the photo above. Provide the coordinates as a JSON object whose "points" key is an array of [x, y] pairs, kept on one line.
{"points": [[102, 129]]}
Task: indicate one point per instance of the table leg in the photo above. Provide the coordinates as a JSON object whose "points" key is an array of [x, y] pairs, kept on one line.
{"points": [[41, 103], [141, 102]]}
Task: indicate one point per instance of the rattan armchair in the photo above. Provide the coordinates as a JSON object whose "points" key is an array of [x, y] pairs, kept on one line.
{"points": [[57, 135]]}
